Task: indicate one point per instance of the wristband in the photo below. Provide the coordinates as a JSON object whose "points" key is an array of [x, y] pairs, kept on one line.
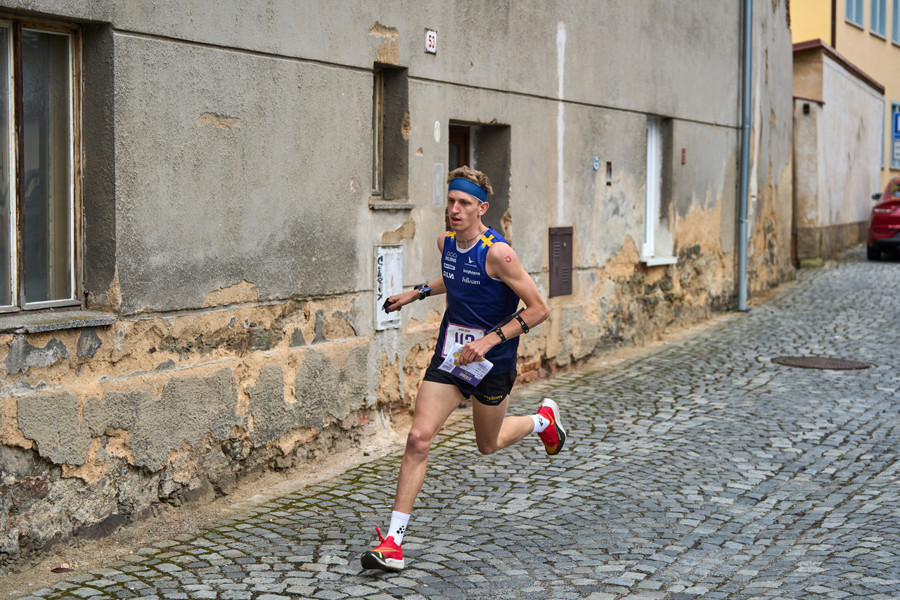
{"points": [[499, 333], [525, 327], [424, 290]]}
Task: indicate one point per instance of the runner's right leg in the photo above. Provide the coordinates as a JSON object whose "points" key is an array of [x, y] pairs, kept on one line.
{"points": [[434, 403]]}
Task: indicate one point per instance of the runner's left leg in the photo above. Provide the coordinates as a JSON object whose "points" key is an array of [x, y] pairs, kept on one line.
{"points": [[494, 430], [434, 403]]}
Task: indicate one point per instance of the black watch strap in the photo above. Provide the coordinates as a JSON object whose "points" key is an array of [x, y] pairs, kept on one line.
{"points": [[424, 290]]}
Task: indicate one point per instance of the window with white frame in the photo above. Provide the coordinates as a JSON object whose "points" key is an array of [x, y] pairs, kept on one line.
{"points": [[878, 17], [38, 237], [854, 12], [895, 21], [658, 245]]}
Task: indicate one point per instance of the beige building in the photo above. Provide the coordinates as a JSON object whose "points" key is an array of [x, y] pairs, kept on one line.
{"points": [[837, 147], [866, 33]]}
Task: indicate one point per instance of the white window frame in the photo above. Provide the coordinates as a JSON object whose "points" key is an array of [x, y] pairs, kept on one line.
{"points": [[853, 13], [652, 195], [11, 185], [19, 302], [878, 18], [895, 22]]}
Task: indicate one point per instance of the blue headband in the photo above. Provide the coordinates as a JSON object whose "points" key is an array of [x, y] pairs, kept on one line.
{"points": [[469, 187]]}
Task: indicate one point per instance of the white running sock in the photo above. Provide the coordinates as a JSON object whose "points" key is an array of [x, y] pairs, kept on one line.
{"points": [[540, 423], [398, 526]]}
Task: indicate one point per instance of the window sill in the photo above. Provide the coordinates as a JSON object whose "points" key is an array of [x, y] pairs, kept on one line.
{"points": [[379, 203], [656, 261], [22, 322]]}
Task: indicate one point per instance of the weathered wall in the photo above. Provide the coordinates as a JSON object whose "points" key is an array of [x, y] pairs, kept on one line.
{"points": [[771, 190], [229, 231], [837, 150]]}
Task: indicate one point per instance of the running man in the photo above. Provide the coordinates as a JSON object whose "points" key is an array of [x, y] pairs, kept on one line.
{"points": [[484, 281]]}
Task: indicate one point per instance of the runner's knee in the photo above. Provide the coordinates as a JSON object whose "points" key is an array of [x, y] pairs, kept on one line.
{"points": [[417, 444], [486, 447]]}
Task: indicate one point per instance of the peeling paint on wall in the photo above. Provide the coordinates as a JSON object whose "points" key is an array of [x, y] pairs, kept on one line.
{"points": [[388, 50], [217, 120], [407, 231], [23, 356], [234, 294]]}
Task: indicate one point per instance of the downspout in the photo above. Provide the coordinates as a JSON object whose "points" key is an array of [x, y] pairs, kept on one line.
{"points": [[833, 25], [745, 156]]}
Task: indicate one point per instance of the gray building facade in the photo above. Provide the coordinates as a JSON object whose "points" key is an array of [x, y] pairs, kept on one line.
{"points": [[227, 188]]}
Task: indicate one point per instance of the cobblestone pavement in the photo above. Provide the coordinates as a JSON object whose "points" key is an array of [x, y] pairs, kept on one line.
{"points": [[698, 470]]}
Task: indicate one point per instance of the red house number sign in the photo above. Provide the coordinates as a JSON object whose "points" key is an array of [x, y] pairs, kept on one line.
{"points": [[431, 41]]}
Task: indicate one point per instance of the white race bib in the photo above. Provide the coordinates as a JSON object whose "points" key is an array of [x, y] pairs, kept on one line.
{"points": [[459, 334]]}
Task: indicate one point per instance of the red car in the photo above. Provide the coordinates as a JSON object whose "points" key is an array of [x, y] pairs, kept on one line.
{"points": [[884, 222]]}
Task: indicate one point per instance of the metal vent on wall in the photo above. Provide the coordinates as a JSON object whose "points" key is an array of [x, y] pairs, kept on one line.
{"points": [[560, 261]]}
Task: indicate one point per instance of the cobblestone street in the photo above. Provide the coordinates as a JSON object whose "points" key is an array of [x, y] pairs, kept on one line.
{"points": [[700, 469]]}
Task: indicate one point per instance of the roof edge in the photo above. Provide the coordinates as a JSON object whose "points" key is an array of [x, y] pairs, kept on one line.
{"points": [[840, 59]]}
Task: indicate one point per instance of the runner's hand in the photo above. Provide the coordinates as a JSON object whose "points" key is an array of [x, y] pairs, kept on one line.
{"points": [[397, 301], [475, 350]]}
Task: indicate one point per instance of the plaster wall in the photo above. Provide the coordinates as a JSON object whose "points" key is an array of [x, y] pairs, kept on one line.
{"points": [[837, 151], [808, 75], [229, 231], [877, 55], [851, 146], [771, 191], [811, 19]]}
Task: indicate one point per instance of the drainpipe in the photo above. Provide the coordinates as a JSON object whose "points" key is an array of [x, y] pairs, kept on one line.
{"points": [[745, 156], [833, 25]]}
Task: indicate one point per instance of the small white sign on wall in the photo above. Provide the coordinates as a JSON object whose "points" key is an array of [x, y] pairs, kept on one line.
{"points": [[388, 281]]}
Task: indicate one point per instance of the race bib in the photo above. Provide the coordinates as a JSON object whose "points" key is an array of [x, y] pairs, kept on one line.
{"points": [[459, 334]]}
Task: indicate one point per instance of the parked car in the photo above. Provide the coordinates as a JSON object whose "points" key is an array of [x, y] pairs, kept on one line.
{"points": [[884, 222]]}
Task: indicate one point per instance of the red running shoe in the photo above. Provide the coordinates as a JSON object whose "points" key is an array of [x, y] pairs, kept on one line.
{"points": [[387, 556], [554, 437]]}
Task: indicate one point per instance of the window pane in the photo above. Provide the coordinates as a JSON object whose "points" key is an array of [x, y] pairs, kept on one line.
{"points": [[47, 161], [878, 16], [6, 238], [854, 11], [895, 17]]}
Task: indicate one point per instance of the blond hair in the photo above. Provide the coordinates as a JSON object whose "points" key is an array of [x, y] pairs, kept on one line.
{"points": [[476, 177]]}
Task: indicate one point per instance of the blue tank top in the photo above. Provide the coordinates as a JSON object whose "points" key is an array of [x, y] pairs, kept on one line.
{"points": [[476, 302]]}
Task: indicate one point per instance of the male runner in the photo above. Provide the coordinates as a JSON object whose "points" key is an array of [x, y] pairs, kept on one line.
{"points": [[484, 281]]}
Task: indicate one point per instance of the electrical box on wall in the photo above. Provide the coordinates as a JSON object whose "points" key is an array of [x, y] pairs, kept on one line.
{"points": [[560, 261]]}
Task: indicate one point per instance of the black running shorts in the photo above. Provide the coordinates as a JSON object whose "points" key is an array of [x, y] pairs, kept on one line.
{"points": [[491, 390]]}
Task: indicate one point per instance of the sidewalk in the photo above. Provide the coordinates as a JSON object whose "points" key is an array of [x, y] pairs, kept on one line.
{"points": [[698, 469]]}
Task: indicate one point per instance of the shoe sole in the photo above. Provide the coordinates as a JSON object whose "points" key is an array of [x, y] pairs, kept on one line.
{"points": [[371, 560], [560, 431]]}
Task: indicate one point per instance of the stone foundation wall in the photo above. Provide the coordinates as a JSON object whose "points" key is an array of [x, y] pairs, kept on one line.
{"points": [[815, 244], [102, 425]]}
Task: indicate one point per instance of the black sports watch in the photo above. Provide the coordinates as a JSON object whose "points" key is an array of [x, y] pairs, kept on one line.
{"points": [[424, 290]]}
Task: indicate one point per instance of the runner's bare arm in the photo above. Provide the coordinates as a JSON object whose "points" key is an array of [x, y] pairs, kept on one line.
{"points": [[398, 301], [502, 263]]}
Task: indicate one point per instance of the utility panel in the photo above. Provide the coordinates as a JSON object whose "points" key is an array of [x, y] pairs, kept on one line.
{"points": [[560, 261]]}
